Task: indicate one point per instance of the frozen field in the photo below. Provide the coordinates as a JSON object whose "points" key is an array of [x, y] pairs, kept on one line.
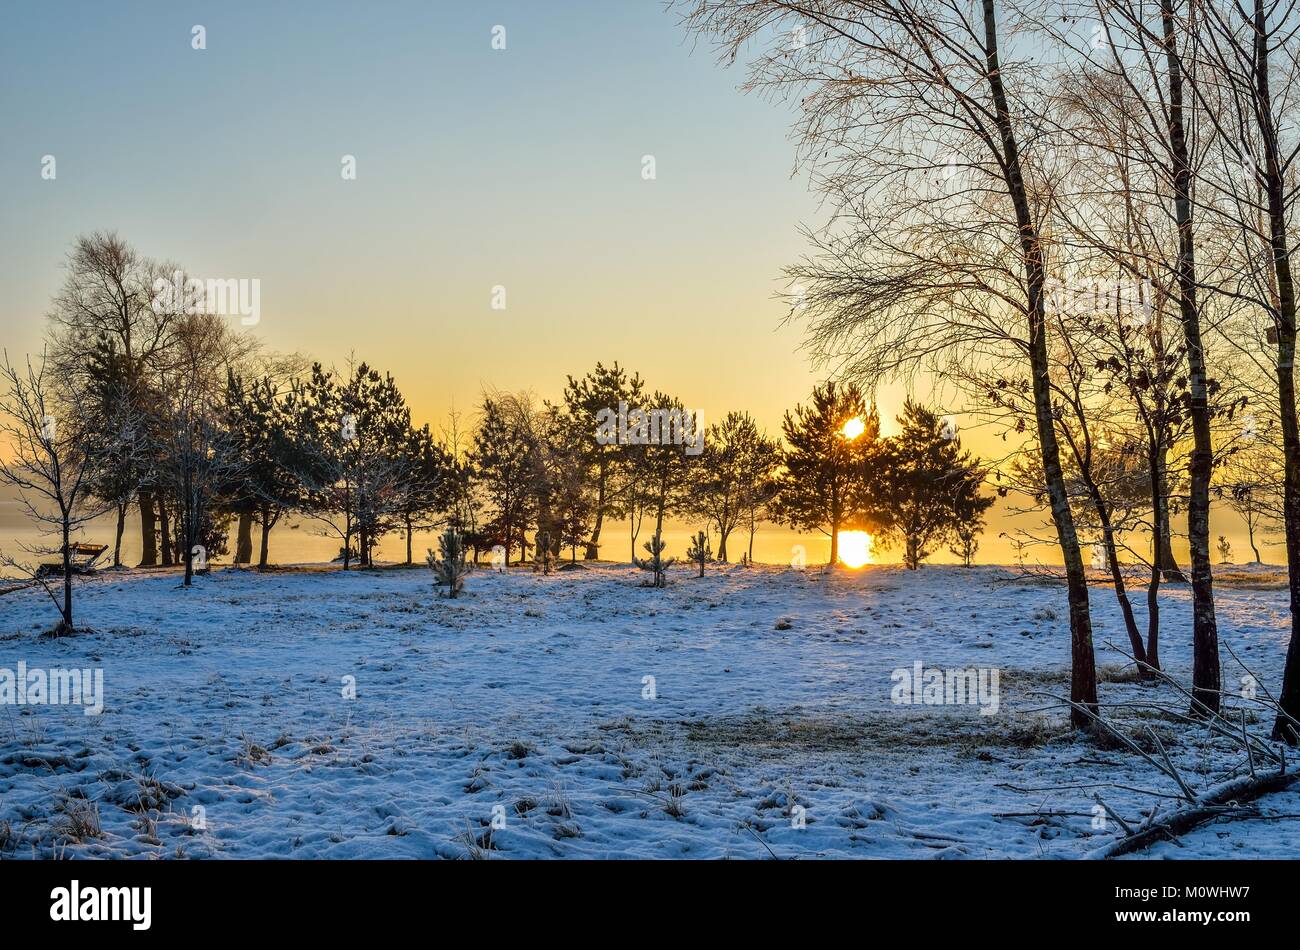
{"points": [[768, 727]]}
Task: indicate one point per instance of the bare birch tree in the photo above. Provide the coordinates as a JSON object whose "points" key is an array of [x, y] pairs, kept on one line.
{"points": [[1252, 54], [55, 459], [1141, 57], [921, 122]]}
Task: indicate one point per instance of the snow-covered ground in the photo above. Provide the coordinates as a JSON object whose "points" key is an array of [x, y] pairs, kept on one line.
{"points": [[746, 714]]}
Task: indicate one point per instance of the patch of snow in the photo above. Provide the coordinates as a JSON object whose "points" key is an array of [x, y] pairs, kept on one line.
{"points": [[746, 714]]}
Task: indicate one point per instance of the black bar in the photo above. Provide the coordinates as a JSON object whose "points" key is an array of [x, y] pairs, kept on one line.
{"points": [[200, 900]]}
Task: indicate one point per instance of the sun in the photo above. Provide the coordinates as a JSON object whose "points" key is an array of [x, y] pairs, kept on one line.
{"points": [[854, 548], [854, 428]]}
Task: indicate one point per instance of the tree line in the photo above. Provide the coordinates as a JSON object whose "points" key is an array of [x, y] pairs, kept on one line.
{"points": [[151, 405]]}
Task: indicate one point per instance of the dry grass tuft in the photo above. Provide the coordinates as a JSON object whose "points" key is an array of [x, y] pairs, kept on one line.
{"points": [[80, 820]]}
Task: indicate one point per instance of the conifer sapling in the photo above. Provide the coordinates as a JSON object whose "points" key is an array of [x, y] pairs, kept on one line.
{"points": [[700, 551], [450, 569], [656, 562]]}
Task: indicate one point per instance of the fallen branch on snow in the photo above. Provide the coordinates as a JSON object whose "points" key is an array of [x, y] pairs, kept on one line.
{"points": [[1218, 802]]}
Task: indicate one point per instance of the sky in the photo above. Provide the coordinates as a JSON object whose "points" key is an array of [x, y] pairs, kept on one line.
{"points": [[476, 168]]}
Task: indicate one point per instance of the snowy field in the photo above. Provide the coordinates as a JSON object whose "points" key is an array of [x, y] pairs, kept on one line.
{"points": [[768, 727]]}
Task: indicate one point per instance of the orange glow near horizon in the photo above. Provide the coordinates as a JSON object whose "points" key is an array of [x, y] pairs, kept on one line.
{"points": [[854, 548]]}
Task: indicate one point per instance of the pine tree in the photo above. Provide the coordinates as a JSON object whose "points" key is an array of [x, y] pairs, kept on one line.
{"points": [[575, 522], [503, 462], [633, 492], [923, 485], [602, 389], [450, 567], [968, 510], [822, 486], [656, 562], [354, 464], [377, 423], [265, 437], [428, 489], [700, 551], [663, 468], [324, 468]]}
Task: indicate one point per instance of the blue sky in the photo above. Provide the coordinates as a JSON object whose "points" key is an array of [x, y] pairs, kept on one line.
{"points": [[475, 167]]}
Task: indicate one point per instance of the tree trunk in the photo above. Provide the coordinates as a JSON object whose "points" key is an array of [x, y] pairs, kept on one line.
{"points": [[267, 524], [244, 538], [1168, 565], [722, 544], [1289, 700], [66, 625], [1206, 681], [1083, 664], [1159, 534], [659, 513], [188, 541], [593, 546], [148, 531], [408, 540], [165, 534], [635, 517], [1173, 574], [1117, 577], [117, 537], [347, 536]]}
